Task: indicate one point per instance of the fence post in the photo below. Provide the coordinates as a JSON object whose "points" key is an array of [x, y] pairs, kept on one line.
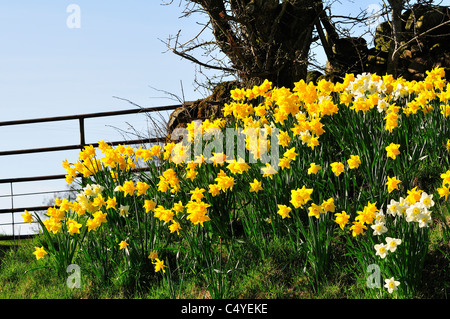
{"points": [[12, 207], [82, 137]]}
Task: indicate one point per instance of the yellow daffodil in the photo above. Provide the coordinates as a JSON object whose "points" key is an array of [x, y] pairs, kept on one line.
{"points": [[177, 207], [99, 201], [284, 211], [342, 219], [443, 192], [39, 252], [197, 212], [191, 174], [284, 139], [175, 227], [354, 161], [392, 183], [414, 195], [300, 196], [149, 205], [284, 163], [123, 244], [337, 168], [92, 224], [357, 228], [159, 265], [141, 188], [111, 203], [153, 255], [73, 227], [446, 178], [128, 188], [314, 168], [393, 150], [197, 194], [328, 205], [255, 186], [290, 154], [27, 217], [315, 210], [214, 190]]}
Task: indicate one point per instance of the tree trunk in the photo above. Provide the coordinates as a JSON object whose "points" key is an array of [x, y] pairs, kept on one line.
{"points": [[264, 39]]}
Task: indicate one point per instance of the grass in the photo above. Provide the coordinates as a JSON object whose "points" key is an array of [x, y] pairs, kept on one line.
{"points": [[18, 282], [280, 276]]}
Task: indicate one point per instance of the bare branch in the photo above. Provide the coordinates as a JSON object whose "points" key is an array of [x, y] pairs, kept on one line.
{"points": [[195, 37], [191, 58], [421, 35]]}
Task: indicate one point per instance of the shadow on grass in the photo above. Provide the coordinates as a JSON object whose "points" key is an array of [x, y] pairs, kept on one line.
{"points": [[7, 245], [436, 273]]}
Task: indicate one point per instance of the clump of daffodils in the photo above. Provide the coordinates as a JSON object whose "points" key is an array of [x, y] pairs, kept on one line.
{"points": [[390, 246], [182, 192], [414, 208]]}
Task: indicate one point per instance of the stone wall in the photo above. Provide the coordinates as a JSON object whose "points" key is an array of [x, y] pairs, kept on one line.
{"points": [[352, 55], [425, 53], [207, 108]]}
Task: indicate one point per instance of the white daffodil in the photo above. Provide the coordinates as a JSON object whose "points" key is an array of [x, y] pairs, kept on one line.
{"points": [[414, 211], [379, 228], [391, 284], [393, 207], [392, 243], [424, 219], [427, 200], [97, 189], [381, 250], [382, 105], [123, 210], [380, 217], [402, 206]]}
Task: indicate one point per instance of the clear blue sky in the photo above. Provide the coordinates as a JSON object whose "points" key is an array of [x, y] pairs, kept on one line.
{"points": [[48, 69]]}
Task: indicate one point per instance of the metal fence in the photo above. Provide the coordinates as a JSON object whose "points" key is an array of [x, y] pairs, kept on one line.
{"points": [[11, 182]]}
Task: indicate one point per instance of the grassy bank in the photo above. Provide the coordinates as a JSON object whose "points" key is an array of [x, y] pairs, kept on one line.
{"points": [[281, 275]]}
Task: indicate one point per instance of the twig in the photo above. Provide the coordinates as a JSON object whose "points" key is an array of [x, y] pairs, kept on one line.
{"points": [[395, 52]]}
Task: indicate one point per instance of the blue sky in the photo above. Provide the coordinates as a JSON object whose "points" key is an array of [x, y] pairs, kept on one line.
{"points": [[48, 69]]}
